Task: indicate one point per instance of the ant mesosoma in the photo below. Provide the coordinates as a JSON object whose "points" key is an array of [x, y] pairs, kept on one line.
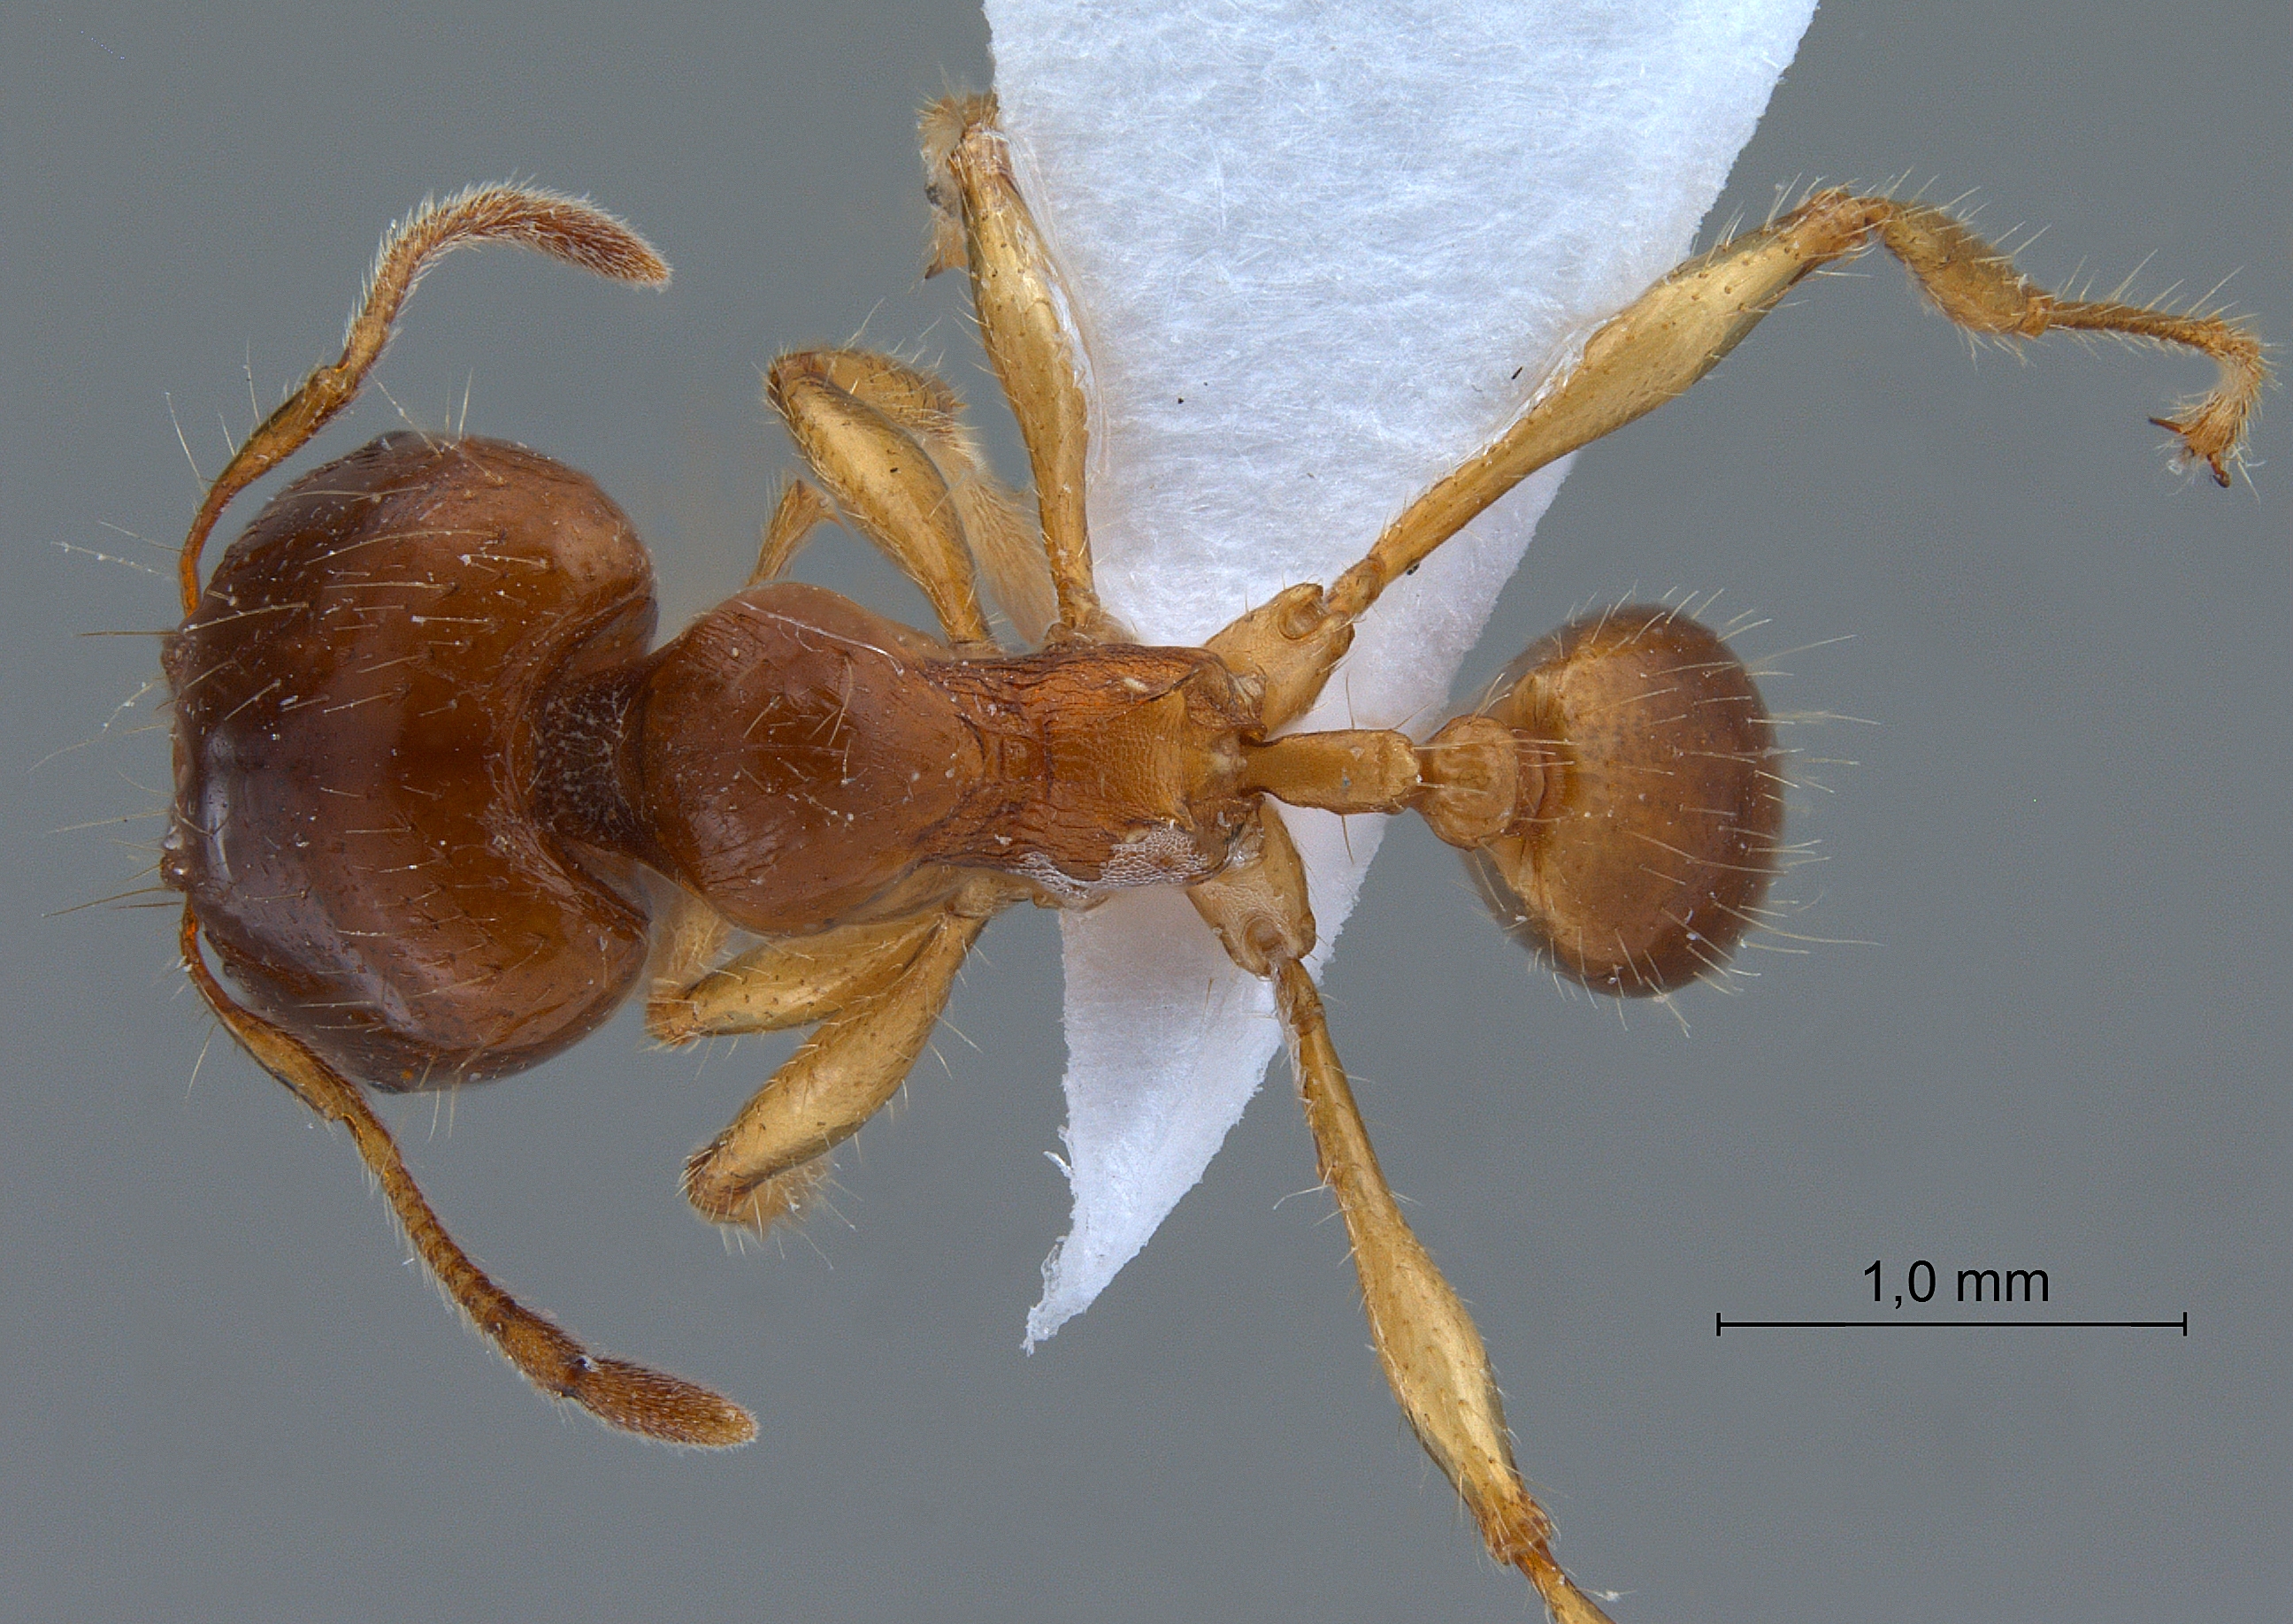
{"points": [[438, 804]]}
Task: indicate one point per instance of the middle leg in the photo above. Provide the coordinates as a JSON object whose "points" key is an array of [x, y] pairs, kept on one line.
{"points": [[773, 1157], [1028, 324]]}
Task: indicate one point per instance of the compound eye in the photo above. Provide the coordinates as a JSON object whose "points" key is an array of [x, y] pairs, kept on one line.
{"points": [[1654, 839]]}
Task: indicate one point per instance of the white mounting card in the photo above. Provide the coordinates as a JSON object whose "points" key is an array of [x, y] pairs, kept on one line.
{"points": [[1320, 253]]}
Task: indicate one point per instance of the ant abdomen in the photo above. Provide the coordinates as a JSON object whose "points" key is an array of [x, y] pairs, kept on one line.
{"points": [[1654, 833], [355, 820]]}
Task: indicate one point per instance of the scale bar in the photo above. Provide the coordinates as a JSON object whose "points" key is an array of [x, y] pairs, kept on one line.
{"points": [[1720, 1325]]}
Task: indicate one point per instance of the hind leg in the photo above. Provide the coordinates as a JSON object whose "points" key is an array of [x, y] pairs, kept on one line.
{"points": [[1426, 1342], [1678, 331]]}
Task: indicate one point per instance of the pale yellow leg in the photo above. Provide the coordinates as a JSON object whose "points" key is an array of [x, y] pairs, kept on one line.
{"points": [[788, 980], [800, 510], [1425, 1340], [1431, 1351], [1027, 322], [1678, 330], [847, 411], [1008, 550], [890, 443], [769, 1162]]}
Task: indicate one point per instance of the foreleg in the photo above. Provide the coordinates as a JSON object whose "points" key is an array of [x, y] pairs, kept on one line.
{"points": [[788, 980], [853, 418], [800, 510]]}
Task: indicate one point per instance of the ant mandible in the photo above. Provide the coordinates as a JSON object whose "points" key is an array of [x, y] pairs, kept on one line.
{"points": [[437, 806]]}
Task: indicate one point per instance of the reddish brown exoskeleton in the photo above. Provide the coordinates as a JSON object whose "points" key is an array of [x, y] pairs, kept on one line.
{"points": [[438, 803]]}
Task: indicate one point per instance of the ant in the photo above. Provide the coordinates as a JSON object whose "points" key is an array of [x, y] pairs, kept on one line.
{"points": [[440, 807]]}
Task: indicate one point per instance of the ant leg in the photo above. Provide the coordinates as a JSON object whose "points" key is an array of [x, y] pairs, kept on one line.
{"points": [[1426, 1341], [1678, 330], [1028, 324], [617, 1393], [1003, 543], [774, 1155], [834, 402], [890, 444], [798, 511], [566, 229], [791, 981]]}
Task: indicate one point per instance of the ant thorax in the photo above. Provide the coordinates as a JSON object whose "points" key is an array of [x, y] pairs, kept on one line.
{"points": [[793, 757]]}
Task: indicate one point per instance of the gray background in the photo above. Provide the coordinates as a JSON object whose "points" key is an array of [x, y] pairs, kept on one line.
{"points": [[2066, 1049]]}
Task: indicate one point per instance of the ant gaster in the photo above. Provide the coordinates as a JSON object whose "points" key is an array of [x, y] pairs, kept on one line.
{"points": [[437, 805]]}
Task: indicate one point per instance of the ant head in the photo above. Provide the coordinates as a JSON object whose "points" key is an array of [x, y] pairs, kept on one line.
{"points": [[356, 827]]}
